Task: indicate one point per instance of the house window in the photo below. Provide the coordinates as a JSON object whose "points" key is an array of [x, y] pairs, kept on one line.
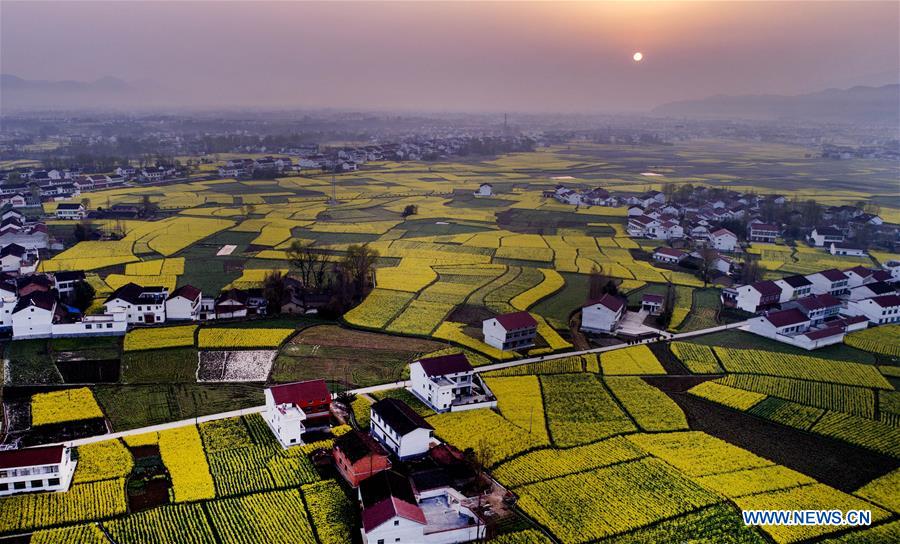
{"points": [[37, 483], [396, 522], [53, 481], [19, 485]]}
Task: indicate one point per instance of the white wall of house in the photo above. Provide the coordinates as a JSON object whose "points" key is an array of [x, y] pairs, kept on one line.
{"points": [[32, 322], [54, 477], [285, 420], [412, 444], [822, 285], [396, 529], [182, 308], [724, 242], [599, 318], [875, 313], [143, 313], [790, 293]]}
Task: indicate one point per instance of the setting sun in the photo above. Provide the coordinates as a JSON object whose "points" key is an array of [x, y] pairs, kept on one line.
{"points": [[638, 57]]}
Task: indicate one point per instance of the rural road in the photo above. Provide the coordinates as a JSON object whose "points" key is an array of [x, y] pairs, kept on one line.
{"points": [[389, 386]]}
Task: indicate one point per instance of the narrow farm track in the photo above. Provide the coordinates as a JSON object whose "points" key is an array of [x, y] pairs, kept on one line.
{"points": [[385, 387]]}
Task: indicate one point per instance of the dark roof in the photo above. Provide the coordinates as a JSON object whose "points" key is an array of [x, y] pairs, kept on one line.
{"points": [[356, 445], [399, 416], [68, 206], [130, 292], [670, 252], [860, 271], [816, 302], [69, 275], [31, 457], [796, 281], [833, 274], [879, 288], [517, 320], [827, 332], [828, 231], [387, 509], [187, 291], [609, 301], [784, 318], [301, 392], [12, 249], [722, 232], [43, 281], [238, 295], [763, 226], [37, 299], [650, 297], [766, 288], [445, 364], [886, 301], [383, 485]]}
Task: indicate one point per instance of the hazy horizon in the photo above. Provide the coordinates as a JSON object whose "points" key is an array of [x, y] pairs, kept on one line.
{"points": [[524, 57]]}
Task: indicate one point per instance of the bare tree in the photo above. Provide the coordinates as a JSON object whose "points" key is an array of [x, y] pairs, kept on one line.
{"points": [[708, 258], [597, 283], [311, 264], [274, 289], [359, 263]]}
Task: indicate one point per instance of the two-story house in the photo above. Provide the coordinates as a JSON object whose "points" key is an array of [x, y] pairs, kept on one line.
{"points": [[184, 303], [294, 408], [763, 232], [42, 468], [831, 282], [399, 429], [602, 315], [793, 287], [723, 240], [358, 456], [878, 310], [817, 308], [449, 382], [510, 332], [754, 297], [145, 305]]}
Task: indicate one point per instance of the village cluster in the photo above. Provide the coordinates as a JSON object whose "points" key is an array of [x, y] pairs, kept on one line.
{"points": [[411, 487]]}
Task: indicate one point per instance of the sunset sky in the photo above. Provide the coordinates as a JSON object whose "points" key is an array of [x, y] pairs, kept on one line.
{"points": [[501, 56]]}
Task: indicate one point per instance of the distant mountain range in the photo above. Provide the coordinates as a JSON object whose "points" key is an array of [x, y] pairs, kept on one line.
{"points": [[856, 104], [19, 93]]}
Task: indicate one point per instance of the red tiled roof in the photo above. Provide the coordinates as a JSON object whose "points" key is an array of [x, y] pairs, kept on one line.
{"points": [[861, 271], [833, 274], [517, 320], [824, 333], [609, 301], [722, 232], [308, 392], [31, 457], [677, 253], [766, 288], [886, 301], [786, 318], [763, 226], [446, 364], [187, 291], [385, 510], [816, 302]]}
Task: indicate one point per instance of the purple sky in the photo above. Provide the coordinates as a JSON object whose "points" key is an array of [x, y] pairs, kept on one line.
{"points": [[502, 56]]}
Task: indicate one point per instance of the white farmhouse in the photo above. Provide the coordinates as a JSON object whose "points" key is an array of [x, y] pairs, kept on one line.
{"points": [[859, 275], [42, 468], [878, 310], [399, 429], [825, 236], [145, 305], [293, 408], [510, 332], [485, 189], [754, 297], [602, 315], [846, 250], [66, 280], [817, 308], [723, 240], [669, 255], [394, 512], [33, 314], [70, 211], [184, 304], [831, 281], [793, 287], [449, 382], [792, 327]]}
